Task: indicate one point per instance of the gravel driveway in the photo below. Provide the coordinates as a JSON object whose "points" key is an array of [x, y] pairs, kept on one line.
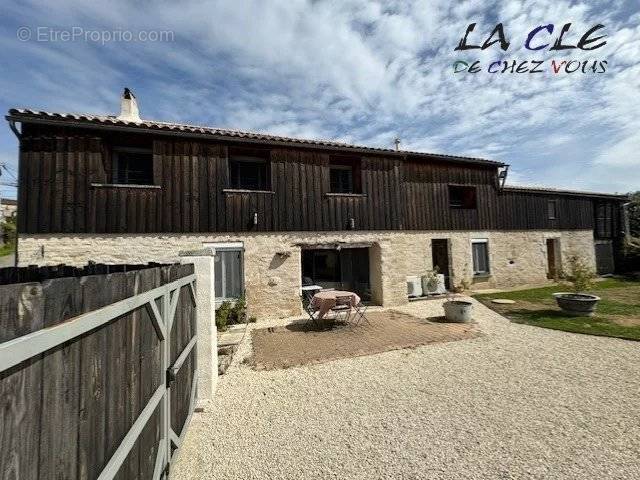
{"points": [[517, 402]]}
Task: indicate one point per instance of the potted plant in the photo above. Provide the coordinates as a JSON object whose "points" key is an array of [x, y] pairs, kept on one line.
{"points": [[430, 281], [580, 278]]}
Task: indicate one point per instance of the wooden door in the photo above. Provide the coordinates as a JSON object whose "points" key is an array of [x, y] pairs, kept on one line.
{"points": [[440, 257]]}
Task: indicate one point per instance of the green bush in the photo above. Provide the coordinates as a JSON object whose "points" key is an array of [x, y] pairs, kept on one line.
{"points": [[9, 230], [581, 275], [231, 313], [222, 316], [239, 311]]}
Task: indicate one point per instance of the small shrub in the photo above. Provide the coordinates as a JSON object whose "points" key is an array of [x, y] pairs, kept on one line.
{"points": [[252, 319], [222, 316], [238, 313], [432, 278], [8, 230], [231, 313], [580, 275]]}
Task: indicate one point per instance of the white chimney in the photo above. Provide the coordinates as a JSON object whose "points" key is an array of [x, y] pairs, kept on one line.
{"points": [[129, 107]]}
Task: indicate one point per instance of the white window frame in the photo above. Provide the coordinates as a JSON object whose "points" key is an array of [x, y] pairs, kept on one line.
{"points": [[478, 273], [229, 247]]}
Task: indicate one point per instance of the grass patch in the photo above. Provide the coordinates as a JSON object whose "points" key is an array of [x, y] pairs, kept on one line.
{"points": [[6, 249], [617, 314]]}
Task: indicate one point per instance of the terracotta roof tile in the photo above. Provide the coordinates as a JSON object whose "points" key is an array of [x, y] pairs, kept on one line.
{"points": [[21, 114]]}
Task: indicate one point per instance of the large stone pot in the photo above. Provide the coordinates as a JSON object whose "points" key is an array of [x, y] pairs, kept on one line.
{"points": [[458, 311], [577, 304]]}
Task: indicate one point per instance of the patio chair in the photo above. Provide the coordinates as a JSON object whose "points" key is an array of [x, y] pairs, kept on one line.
{"points": [[306, 297], [313, 313], [359, 314], [343, 306], [309, 308]]}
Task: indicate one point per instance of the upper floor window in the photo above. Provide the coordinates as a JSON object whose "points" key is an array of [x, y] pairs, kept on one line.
{"points": [[132, 166], [249, 170], [341, 179], [462, 197], [552, 209], [344, 175]]}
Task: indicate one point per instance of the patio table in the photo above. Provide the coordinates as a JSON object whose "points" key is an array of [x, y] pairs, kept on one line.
{"points": [[325, 300]]}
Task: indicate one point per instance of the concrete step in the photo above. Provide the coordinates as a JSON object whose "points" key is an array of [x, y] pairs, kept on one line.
{"points": [[237, 327], [230, 338]]}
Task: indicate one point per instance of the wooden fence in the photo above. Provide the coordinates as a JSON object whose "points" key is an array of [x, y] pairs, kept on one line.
{"points": [[97, 370]]}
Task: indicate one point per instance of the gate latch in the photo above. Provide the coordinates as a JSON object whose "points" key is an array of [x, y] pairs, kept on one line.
{"points": [[171, 377]]}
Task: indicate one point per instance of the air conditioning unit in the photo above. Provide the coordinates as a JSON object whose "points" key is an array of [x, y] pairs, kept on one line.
{"points": [[414, 286]]}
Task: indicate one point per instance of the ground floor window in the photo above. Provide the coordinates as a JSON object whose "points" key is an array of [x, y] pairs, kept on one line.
{"points": [[480, 251], [228, 271]]}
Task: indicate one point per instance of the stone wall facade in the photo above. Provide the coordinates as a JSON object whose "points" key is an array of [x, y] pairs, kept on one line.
{"points": [[273, 280]]}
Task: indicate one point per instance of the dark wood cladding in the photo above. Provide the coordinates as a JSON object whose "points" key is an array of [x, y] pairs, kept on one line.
{"points": [[426, 197], [521, 211], [608, 221], [57, 195], [65, 177], [55, 174]]}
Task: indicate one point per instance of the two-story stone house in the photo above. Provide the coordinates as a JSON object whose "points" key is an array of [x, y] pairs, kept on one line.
{"points": [[280, 210]]}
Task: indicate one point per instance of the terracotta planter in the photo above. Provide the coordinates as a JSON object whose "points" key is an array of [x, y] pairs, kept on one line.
{"points": [[458, 311], [577, 304]]}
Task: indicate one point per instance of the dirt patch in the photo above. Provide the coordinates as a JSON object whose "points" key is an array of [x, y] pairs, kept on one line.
{"points": [[624, 321], [302, 344], [628, 295], [519, 306]]}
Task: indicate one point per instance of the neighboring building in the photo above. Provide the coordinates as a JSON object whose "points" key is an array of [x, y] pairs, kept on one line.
{"points": [[278, 209], [8, 208]]}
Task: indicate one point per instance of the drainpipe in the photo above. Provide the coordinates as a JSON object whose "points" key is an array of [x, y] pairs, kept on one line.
{"points": [[18, 134], [14, 129]]}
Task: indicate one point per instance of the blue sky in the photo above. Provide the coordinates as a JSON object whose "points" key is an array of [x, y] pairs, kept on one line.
{"points": [[351, 70]]}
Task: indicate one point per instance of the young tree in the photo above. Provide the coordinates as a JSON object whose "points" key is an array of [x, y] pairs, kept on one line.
{"points": [[9, 228]]}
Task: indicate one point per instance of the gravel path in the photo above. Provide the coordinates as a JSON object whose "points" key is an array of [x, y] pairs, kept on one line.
{"points": [[518, 402]]}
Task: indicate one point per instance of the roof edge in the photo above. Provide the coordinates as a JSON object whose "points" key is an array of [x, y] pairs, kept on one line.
{"points": [[192, 131], [557, 191]]}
